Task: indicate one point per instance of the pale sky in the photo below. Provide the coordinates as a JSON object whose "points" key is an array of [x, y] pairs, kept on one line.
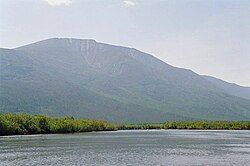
{"points": [[210, 37]]}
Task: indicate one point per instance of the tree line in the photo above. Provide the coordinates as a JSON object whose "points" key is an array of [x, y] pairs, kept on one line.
{"points": [[192, 125], [19, 124], [16, 124]]}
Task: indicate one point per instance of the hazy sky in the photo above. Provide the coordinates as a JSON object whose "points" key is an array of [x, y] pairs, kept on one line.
{"points": [[210, 37]]}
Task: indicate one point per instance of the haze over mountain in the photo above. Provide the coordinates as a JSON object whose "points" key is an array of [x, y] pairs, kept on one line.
{"points": [[84, 78], [230, 88]]}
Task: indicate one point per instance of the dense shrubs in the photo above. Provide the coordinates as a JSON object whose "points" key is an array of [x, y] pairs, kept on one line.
{"points": [[11, 124], [140, 126], [27, 124], [208, 125], [199, 125]]}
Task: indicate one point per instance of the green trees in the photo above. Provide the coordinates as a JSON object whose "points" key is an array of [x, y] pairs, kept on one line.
{"points": [[11, 124], [195, 125], [18, 124], [206, 125]]}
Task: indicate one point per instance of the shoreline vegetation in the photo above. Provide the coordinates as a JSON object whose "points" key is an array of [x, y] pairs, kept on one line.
{"points": [[24, 124]]}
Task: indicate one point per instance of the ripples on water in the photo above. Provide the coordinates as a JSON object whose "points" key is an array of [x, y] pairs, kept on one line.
{"points": [[138, 147]]}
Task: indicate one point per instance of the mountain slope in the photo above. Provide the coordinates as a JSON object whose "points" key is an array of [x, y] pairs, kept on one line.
{"points": [[230, 88], [85, 78]]}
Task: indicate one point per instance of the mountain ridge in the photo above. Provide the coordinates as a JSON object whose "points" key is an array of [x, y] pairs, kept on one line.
{"points": [[231, 88], [132, 48], [109, 82]]}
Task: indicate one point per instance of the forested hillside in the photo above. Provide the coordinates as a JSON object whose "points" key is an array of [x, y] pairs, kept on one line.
{"points": [[84, 78]]}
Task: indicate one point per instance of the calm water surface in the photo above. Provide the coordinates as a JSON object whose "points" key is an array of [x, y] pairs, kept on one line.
{"points": [[148, 147]]}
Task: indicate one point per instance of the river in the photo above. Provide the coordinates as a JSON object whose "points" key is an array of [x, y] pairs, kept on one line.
{"points": [[131, 147]]}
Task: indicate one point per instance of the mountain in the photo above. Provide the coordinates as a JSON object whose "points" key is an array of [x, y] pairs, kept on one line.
{"points": [[87, 79], [230, 88]]}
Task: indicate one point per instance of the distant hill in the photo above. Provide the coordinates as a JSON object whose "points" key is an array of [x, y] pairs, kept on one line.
{"points": [[84, 78], [230, 88]]}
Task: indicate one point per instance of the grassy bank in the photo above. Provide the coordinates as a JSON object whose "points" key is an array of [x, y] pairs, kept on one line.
{"points": [[17, 124], [209, 125], [192, 125]]}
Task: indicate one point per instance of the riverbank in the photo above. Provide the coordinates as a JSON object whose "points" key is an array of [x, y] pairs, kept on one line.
{"points": [[23, 124], [20, 124], [193, 125]]}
